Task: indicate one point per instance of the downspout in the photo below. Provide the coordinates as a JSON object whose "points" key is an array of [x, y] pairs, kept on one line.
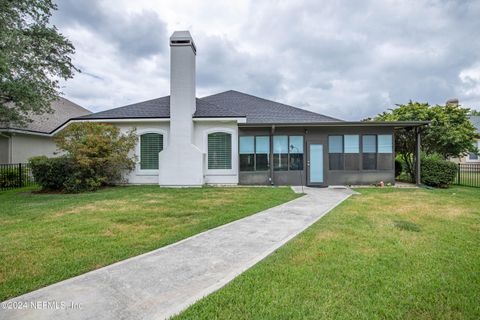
{"points": [[271, 154]]}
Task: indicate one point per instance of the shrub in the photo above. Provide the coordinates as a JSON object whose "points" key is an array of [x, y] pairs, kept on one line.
{"points": [[95, 155], [437, 172], [398, 167], [51, 173]]}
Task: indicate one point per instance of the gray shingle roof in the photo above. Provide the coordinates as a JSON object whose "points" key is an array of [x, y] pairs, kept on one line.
{"points": [[63, 111], [261, 111], [475, 120], [228, 104]]}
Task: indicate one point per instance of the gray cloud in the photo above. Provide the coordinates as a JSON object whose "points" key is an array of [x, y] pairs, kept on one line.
{"points": [[349, 59], [136, 35]]}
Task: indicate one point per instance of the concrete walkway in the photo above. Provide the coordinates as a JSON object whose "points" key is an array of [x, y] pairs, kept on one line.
{"points": [[163, 282]]}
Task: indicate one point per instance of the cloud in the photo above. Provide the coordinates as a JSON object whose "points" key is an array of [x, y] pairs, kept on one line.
{"points": [[349, 59]]}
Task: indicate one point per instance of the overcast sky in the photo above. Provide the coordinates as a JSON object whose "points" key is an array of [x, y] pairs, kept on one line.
{"points": [[348, 59]]}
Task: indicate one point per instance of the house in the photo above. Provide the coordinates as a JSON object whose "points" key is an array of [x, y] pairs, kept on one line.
{"points": [[236, 138], [19, 143], [473, 157]]}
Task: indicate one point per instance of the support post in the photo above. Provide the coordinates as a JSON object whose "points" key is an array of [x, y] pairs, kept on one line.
{"points": [[418, 176]]}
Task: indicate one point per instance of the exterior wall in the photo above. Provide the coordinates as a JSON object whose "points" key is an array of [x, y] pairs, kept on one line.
{"points": [[4, 149], [466, 159], [138, 176], [331, 177], [201, 131], [25, 146], [200, 142]]}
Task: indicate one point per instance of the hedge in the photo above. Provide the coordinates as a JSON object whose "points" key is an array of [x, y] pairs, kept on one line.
{"points": [[438, 173]]}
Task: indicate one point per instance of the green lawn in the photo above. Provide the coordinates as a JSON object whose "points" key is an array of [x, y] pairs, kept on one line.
{"points": [[384, 254], [46, 238]]}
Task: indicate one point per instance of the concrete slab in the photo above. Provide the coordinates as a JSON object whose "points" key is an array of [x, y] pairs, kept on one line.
{"points": [[161, 283]]}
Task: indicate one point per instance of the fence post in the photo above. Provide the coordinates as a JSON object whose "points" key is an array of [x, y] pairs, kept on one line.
{"points": [[458, 174], [20, 180]]}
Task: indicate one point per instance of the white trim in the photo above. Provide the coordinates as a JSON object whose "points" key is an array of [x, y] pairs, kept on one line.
{"points": [[238, 120], [144, 172], [221, 172]]}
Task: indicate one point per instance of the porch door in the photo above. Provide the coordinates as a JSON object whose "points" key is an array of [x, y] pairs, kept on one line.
{"points": [[315, 164]]}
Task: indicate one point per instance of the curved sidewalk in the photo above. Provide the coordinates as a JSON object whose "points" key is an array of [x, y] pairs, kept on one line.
{"points": [[165, 281]]}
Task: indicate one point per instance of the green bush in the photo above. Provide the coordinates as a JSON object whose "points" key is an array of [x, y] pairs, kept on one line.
{"points": [[438, 172], [64, 174], [398, 167], [51, 173]]}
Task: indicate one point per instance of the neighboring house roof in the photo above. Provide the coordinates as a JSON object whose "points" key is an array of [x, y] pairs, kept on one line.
{"points": [[228, 104], [475, 120], [45, 123]]}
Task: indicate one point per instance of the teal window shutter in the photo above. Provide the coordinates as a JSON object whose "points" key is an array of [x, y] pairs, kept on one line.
{"points": [[150, 145], [219, 150]]}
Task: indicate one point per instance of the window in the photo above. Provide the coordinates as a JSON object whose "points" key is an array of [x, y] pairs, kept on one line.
{"points": [[473, 156], [247, 154], [280, 153], [296, 152], [262, 153], [150, 145], [335, 152], [369, 152], [219, 150], [385, 144], [352, 151]]}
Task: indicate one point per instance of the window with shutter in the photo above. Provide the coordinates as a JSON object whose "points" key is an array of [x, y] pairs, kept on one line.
{"points": [[150, 145], [219, 150]]}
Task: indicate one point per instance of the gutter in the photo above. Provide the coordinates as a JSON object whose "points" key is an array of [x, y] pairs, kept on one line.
{"points": [[396, 124]]}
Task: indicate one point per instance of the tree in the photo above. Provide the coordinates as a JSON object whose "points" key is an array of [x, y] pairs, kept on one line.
{"points": [[474, 112], [450, 133], [34, 56], [100, 152]]}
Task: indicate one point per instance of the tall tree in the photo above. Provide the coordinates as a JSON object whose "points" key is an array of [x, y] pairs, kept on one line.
{"points": [[450, 133], [34, 56]]}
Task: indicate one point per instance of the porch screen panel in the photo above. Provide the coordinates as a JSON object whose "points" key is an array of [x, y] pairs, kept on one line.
{"points": [[369, 152], [262, 153], [296, 152], [247, 153], [352, 151], [150, 145], [280, 153], [385, 152], [335, 152], [220, 150]]}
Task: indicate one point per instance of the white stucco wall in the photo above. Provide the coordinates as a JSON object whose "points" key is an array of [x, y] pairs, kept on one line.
{"points": [[25, 146], [201, 131], [138, 176]]}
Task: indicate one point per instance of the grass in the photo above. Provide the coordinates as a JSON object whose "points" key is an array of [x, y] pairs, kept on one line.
{"points": [[384, 254], [51, 237]]}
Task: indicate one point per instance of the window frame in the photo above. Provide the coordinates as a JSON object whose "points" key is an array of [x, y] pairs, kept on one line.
{"points": [[235, 152], [139, 133], [375, 153]]}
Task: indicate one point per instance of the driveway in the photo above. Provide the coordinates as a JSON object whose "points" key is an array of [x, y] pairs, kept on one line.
{"points": [[165, 281]]}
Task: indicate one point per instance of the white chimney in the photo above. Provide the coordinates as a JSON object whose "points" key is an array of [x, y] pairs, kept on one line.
{"points": [[182, 85], [181, 162]]}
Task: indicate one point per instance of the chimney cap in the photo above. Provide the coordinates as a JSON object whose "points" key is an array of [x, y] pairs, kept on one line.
{"points": [[182, 38]]}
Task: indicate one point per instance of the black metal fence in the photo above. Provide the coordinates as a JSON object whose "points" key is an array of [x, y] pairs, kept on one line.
{"points": [[468, 174], [15, 175]]}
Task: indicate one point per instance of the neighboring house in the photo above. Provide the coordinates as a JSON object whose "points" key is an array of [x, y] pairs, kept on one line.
{"points": [[19, 143], [236, 138], [473, 157]]}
